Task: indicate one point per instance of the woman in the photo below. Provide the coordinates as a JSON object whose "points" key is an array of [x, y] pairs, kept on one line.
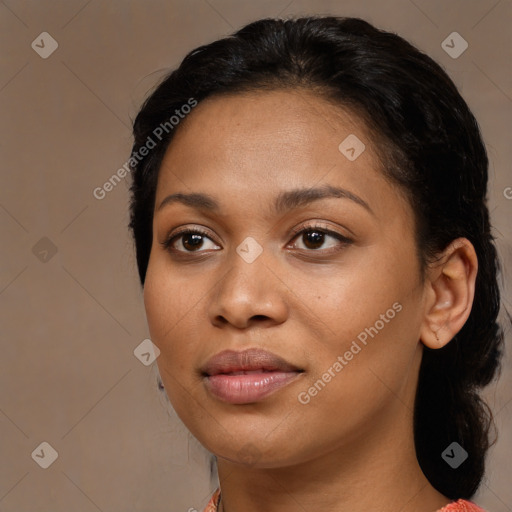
{"points": [[309, 213]]}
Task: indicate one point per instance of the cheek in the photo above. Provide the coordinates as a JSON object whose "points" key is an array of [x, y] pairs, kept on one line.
{"points": [[164, 309], [156, 302], [167, 299], [176, 316], [349, 302], [369, 316]]}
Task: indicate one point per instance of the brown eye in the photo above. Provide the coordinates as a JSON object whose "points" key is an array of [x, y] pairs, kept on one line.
{"points": [[192, 241], [316, 239], [189, 241], [313, 239]]}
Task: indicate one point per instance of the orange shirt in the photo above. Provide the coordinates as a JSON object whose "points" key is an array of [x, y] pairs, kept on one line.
{"points": [[462, 506], [456, 506]]}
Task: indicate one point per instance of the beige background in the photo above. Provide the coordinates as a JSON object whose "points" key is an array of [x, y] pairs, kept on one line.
{"points": [[70, 321]]}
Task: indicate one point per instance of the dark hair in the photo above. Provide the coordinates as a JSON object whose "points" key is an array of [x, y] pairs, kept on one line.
{"points": [[430, 145]]}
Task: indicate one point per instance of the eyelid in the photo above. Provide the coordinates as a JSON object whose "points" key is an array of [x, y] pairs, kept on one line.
{"points": [[320, 226], [311, 226], [170, 239]]}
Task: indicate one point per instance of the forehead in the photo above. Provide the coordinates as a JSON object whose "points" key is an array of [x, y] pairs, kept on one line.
{"points": [[266, 123], [256, 144]]}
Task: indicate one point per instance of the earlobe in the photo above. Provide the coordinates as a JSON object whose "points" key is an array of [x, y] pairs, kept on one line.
{"points": [[450, 291]]}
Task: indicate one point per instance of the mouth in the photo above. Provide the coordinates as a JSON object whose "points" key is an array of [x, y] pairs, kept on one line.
{"points": [[248, 376]]}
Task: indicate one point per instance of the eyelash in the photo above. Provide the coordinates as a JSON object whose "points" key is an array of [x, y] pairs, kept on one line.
{"points": [[187, 231], [168, 242]]}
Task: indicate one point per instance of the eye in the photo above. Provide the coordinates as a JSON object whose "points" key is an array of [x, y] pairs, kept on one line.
{"points": [[314, 238], [190, 240]]}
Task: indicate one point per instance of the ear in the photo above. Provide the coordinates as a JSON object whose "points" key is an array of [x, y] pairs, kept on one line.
{"points": [[449, 293]]}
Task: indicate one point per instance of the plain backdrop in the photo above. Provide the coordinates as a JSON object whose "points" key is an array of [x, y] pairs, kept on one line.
{"points": [[71, 307]]}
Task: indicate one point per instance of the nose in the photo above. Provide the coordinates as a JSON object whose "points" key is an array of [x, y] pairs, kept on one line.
{"points": [[249, 294]]}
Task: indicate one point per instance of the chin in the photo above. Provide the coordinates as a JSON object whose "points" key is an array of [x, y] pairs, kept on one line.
{"points": [[261, 453]]}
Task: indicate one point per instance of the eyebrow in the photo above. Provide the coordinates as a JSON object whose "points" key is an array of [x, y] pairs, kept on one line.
{"points": [[285, 201]]}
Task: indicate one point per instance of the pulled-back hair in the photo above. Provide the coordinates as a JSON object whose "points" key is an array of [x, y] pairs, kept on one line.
{"points": [[430, 146]]}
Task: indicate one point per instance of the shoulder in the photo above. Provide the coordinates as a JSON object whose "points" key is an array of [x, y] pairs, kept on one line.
{"points": [[456, 506], [214, 502], [461, 506]]}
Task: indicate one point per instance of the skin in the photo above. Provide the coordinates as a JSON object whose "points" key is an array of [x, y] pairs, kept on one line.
{"points": [[351, 446]]}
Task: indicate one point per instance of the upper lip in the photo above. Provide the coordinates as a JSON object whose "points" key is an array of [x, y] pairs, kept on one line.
{"points": [[229, 361]]}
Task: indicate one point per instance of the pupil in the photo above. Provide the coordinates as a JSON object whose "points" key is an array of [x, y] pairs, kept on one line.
{"points": [[313, 239], [192, 241]]}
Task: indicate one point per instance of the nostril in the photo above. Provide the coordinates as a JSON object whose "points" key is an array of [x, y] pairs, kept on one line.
{"points": [[259, 317], [222, 320]]}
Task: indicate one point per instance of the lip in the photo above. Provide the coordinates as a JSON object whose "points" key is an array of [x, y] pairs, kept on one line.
{"points": [[248, 376]]}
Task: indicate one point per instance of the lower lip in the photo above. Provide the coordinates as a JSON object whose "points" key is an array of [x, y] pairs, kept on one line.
{"points": [[248, 388]]}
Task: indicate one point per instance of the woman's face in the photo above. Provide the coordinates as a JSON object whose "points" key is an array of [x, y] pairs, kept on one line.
{"points": [[299, 248]]}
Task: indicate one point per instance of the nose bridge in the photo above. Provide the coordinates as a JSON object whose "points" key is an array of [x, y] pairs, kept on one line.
{"points": [[245, 281], [248, 289]]}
